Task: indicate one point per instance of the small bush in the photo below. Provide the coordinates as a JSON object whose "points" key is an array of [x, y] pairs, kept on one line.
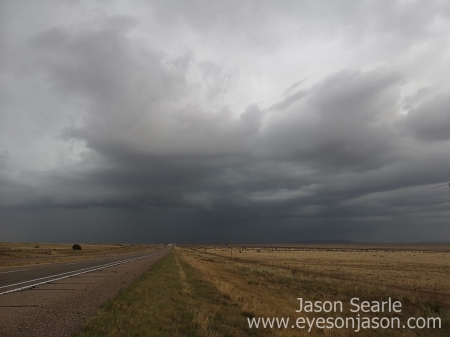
{"points": [[76, 247]]}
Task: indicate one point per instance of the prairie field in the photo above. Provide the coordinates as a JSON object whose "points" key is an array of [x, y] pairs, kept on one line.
{"points": [[267, 281], [414, 268], [202, 291], [20, 254]]}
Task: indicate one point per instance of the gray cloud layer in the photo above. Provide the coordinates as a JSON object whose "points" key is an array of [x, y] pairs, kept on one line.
{"points": [[175, 121]]}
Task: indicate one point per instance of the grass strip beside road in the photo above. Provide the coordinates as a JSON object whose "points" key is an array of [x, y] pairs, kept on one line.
{"points": [[171, 299]]}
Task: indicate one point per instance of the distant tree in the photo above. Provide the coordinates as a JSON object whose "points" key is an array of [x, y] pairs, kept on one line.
{"points": [[76, 247]]}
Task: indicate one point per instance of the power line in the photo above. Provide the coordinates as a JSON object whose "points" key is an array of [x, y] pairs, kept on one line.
{"points": [[420, 206], [403, 196], [407, 195]]}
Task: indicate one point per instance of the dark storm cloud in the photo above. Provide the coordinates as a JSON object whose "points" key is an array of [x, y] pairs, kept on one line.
{"points": [[344, 122], [101, 66], [119, 123], [430, 121]]}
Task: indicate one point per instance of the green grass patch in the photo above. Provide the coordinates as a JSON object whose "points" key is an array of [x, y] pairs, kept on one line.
{"points": [[170, 299]]}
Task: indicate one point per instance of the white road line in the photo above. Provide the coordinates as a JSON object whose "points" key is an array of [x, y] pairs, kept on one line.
{"points": [[42, 278], [68, 272], [12, 271], [72, 273]]}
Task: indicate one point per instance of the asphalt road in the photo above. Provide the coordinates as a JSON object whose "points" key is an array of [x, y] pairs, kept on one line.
{"points": [[12, 278], [62, 307]]}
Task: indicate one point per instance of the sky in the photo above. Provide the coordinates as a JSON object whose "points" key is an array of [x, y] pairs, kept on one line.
{"points": [[197, 121]]}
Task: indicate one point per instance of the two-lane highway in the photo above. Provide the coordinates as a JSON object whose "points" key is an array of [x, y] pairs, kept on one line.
{"points": [[21, 278], [57, 299]]}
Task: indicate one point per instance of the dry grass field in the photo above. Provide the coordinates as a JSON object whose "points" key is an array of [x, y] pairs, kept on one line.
{"points": [[20, 254], [194, 292], [416, 268], [270, 288]]}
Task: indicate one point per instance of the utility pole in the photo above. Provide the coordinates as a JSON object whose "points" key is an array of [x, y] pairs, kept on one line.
{"points": [[231, 246]]}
